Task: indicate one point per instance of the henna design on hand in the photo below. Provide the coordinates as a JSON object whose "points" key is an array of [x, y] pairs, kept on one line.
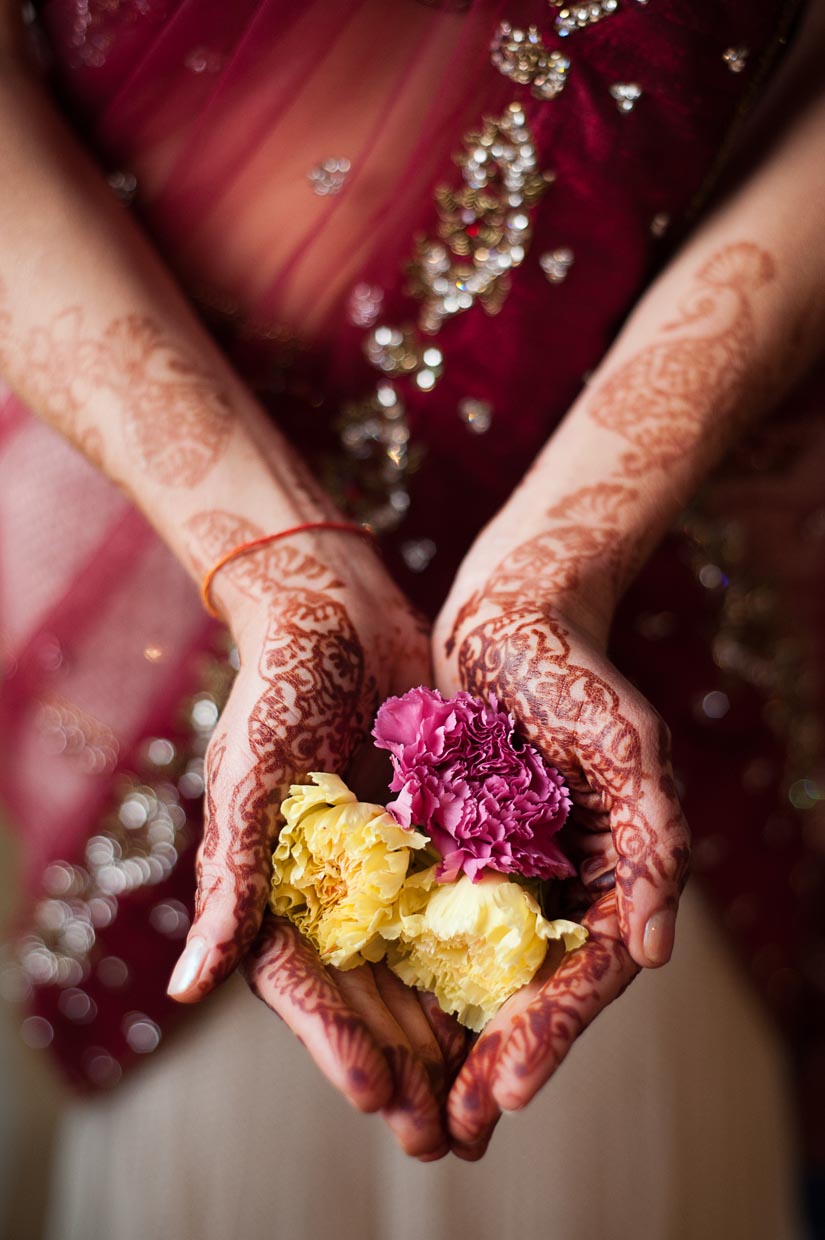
{"points": [[513, 637], [472, 1110], [584, 725], [581, 541], [660, 399], [517, 636], [452, 1038], [177, 418], [284, 972], [316, 704], [511, 1061], [414, 1113], [316, 659]]}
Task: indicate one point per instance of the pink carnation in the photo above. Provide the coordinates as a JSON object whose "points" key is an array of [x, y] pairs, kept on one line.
{"points": [[487, 800]]}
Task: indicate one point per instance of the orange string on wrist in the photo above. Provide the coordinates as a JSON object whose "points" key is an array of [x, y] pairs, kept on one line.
{"points": [[342, 527]]}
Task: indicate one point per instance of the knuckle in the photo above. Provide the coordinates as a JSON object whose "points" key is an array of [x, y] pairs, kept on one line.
{"points": [[654, 731], [673, 862]]}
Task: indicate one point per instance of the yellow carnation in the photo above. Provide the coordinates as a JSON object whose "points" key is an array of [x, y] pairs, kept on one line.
{"points": [[472, 944], [338, 868]]}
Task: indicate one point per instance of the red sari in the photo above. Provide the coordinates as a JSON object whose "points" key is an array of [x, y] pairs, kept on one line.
{"points": [[419, 349]]}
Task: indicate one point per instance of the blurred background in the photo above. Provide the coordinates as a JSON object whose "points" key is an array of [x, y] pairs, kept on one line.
{"points": [[30, 1097]]}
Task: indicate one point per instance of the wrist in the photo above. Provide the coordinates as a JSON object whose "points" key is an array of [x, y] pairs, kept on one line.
{"points": [[571, 570], [333, 559]]}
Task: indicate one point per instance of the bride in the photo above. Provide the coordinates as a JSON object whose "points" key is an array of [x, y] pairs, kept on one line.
{"points": [[404, 284]]}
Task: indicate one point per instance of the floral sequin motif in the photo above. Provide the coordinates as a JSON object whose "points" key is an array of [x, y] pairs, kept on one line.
{"points": [[484, 225], [397, 351], [329, 177], [482, 233], [572, 17], [364, 306], [66, 729], [626, 95], [556, 264], [96, 25], [522, 56], [371, 482], [736, 58], [476, 414]]}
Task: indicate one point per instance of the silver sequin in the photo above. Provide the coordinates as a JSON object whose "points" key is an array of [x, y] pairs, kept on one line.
{"points": [[735, 58], [556, 264], [417, 553], [522, 56], [660, 224], [329, 177], [204, 60], [124, 185], [626, 95], [364, 305], [476, 414], [136, 845], [574, 17]]}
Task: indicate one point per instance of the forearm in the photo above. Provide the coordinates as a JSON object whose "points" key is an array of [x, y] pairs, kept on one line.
{"points": [[728, 327], [98, 340]]}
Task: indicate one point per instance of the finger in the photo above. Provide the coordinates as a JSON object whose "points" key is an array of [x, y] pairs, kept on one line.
{"points": [[402, 1004], [472, 1109], [284, 971], [233, 868], [586, 981], [452, 1038], [652, 841], [412, 1114], [593, 852]]}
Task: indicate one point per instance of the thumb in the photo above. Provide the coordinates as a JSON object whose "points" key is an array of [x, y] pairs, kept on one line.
{"points": [[233, 868], [652, 841]]}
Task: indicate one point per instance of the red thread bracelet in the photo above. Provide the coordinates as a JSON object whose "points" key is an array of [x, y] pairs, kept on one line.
{"points": [[343, 527]]}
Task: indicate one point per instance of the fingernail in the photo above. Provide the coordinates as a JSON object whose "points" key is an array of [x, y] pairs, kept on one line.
{"points": [[471, 1151], [188, 967], [509, 1102], [659, 934], [434, 1155]]}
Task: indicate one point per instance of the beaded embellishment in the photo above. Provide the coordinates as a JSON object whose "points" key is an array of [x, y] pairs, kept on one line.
{"points": [[482, 233]]}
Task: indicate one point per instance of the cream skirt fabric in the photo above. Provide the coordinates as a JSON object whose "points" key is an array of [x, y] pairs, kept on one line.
{"points": [[669, 1121]]}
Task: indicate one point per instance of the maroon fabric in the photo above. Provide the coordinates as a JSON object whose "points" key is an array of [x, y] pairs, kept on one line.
{"points": [[614, 173]]}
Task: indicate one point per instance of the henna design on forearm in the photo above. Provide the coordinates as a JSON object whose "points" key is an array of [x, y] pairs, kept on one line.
{"points": [[177, 417], [284, 972], [667, 393], [213, 533], [581, 985]]}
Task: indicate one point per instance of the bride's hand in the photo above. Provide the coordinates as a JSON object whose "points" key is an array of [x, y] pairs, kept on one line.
{"points": [[543, 656], [321, 643]]}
